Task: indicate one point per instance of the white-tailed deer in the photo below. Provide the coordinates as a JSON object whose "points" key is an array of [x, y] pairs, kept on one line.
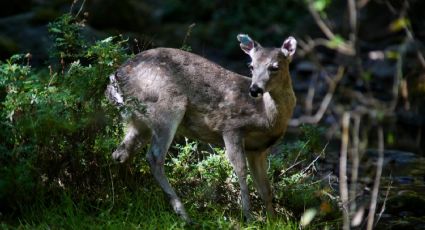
{"points": [[183, 93]]}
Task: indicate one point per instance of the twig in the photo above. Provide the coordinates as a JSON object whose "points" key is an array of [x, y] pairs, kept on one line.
{"points": [[188, 32], [310, 95], [362, 3], [410, 35], [325, 102], [296, 158], [355, 163], [52, 75], [354, 39], [299, 152], [385, 202], [312, 163], [81, 9], [390, 7], [312, 43], [343, 47], [367, 101], [329, 195], [290, 167], [319, 21], [352, 10], [112, 188], [398, 75], [374, 199], [72, 6], [343, 187]]}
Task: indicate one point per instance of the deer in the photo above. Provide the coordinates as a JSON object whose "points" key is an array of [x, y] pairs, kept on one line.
{"points": [[185, 94]]}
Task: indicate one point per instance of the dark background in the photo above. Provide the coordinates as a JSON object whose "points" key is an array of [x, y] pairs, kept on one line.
{"points": [[389, 46]]}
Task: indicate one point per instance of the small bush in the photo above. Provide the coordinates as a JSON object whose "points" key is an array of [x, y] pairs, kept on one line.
{"points": [[57, 127]]}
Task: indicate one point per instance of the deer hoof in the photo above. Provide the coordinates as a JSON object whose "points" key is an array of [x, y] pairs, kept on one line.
{"points": [[120, 155]]}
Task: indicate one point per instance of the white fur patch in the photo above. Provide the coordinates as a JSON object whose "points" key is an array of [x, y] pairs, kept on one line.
{"points": [[113, 91]]}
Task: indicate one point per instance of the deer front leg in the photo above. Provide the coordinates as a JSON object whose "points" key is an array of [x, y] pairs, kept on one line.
{"points": [[128, 145], [258, 166], [236, 155]]}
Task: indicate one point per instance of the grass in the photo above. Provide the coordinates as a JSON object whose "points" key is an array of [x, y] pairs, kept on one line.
{"points": [[206, 184], [135, 201], [145, 209]]}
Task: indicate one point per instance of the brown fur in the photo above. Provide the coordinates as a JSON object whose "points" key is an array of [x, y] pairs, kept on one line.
{"points": [[188, 95]]}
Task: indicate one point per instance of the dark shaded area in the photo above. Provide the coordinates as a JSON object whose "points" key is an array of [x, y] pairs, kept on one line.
{"points": [[367, 83]]}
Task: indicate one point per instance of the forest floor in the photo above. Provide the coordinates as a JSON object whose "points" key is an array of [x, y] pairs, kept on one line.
{"points": [[148, 209]]}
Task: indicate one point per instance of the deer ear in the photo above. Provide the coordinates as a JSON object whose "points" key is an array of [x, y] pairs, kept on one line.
{"points": [[289, 46], [246, 43]]}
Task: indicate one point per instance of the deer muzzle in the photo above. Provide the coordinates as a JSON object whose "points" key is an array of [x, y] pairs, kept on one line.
{"points": [[255, 91]]}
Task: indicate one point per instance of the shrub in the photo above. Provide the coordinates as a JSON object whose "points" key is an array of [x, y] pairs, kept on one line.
{"points": [[57, 127]]}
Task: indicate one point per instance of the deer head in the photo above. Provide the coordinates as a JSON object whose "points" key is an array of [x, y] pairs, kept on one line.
{"points": [[269, 66]]}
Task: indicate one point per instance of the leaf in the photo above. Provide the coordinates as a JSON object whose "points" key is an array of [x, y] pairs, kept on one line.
{"points": [[336, 41], [55, 30], [391, 54], [399, 24], [308, 216], [320, 5], [367, 76], [107, 40], [390, 138]]}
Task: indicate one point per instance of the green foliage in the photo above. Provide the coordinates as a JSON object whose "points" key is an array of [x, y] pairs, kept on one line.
{"points": [[321, 5], [68, 42], [57, 125], [210, 171], [293, 175], [192, 164], [142, 210], [309, 145], [209, 179], [314, 136], [215, 168], [337, 41], [185, 46]]}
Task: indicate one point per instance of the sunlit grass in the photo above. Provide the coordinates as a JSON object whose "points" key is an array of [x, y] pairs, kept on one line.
{"points": [[146, 210]]}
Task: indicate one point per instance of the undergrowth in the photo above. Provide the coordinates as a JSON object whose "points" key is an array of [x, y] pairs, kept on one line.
{"points": [[58, 132]]}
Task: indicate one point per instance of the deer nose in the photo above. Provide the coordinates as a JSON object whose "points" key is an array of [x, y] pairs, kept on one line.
{"points": [[254, 90]]}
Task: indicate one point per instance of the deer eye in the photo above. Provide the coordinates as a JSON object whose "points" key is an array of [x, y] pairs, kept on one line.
{"points": [[273, 67]]}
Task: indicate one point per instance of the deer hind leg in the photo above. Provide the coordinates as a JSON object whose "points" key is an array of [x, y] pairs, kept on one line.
{"points": [[137, 133], [162, 136], [258, 166], [236, 155]]}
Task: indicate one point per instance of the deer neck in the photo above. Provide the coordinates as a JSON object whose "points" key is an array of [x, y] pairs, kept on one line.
{"points": [[278, 103]]}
